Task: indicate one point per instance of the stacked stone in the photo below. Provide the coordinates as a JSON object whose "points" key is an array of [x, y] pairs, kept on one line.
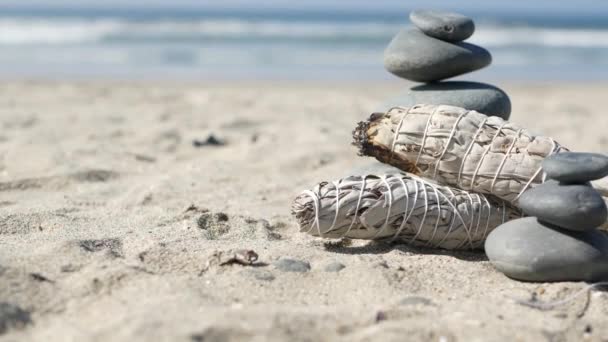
{"points": [[435, 51], [560, 241]]}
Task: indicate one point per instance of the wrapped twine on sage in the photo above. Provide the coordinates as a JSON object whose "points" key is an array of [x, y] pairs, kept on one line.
{"points": [[400, 207], [459, 148]]}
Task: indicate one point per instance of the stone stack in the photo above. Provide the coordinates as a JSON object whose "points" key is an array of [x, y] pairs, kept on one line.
{"points": [[560, 241], [434, 51]]}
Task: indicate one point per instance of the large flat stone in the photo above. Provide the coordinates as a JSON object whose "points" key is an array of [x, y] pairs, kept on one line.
{"points": [[417, 57], [448, 26], [525, 249], [481, 97]]}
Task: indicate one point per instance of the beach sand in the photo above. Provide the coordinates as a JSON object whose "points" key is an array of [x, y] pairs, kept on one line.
{"points": [[116, 217]]}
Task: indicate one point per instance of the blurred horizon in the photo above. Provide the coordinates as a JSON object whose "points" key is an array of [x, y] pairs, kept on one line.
{"points": [[591, 6], [277, 39]]}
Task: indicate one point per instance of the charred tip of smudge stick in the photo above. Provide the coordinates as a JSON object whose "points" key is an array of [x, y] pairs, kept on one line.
{"points": [[361, 139]]}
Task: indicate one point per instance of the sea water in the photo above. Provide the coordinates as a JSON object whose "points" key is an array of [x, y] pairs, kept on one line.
{"points": [[281, 43]]}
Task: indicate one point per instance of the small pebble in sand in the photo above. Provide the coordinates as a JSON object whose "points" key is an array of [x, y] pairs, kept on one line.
{"points": [[292, 265], [12, 317], [334, 267], [416, 300], [211, 140], [113, 246]]}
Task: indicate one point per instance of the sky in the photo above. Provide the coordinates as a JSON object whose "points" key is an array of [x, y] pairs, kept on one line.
{"points": [[535, 6]]}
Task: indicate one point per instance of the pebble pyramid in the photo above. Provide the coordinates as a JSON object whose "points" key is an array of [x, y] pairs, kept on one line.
{"points": [[433, 51], [560, 241]]}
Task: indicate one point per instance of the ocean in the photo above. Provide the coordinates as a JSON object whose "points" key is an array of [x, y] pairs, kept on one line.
{"points": [[280, 44]]}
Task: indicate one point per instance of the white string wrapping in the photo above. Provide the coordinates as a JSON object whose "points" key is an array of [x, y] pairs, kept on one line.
{"points": [[458, 147], [400, 207]]}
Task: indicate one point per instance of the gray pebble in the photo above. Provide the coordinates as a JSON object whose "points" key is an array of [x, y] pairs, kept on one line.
{"points": [[481, 97], [525, 249], [260, 274], [415, 300], [334, 267], [292, 265], [12, 316], [414, 56], [571, 167], [448, 26], [112, 246], [574, 207]]}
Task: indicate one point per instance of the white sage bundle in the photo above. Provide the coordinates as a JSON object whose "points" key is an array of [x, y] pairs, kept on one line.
{"points": [[400, 207], [457, 147]]}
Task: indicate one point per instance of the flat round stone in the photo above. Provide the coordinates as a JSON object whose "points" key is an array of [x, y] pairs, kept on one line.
{"points": [[574, 167], [526, 249], [574, 207], [417, 57], [448, 26], [483, 98]]}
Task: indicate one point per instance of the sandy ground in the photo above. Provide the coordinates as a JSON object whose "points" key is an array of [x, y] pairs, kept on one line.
{"points": [[116, 220]]}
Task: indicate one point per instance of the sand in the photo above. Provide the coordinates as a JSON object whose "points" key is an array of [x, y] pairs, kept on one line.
{"points": [[117, 219]]}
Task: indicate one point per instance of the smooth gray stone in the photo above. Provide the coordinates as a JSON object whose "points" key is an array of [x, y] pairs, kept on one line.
{"points": [[525, 249], [334, 267], [417, 57], [574, 207], [416, 300], [292, 265], [448, 26], [481, 97], [573, 167]]}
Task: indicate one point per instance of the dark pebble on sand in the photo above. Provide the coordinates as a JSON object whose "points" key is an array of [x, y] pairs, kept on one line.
{"points": [[415, 300], [13, 317], [292, 265], [211, 140], [113, 246]]}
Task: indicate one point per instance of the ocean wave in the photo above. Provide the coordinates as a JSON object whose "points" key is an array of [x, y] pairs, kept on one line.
{"points": [[66, 31], [496, 36], [58, 31]]}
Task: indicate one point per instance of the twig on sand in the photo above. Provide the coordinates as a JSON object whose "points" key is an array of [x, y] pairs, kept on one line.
{"points": [[546, 306]]}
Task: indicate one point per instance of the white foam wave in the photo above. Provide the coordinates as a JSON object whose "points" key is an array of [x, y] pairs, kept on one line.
{"points": [[58, 31], [549, 37], [33, 31]]}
